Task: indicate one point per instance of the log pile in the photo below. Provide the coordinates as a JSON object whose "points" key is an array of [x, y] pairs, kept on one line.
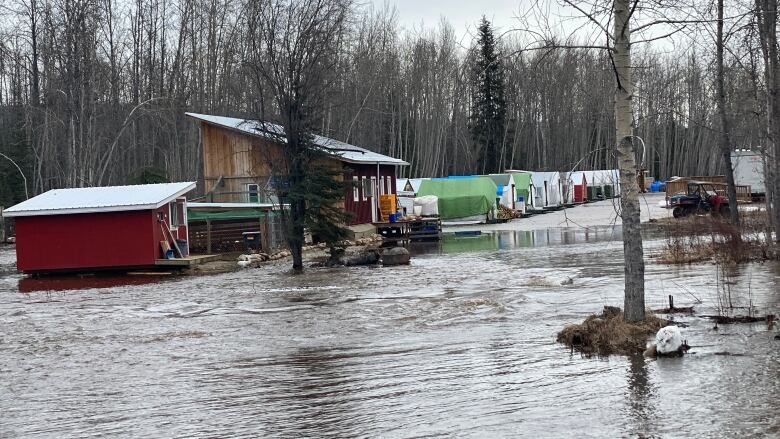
{"points": [[507, 213]]}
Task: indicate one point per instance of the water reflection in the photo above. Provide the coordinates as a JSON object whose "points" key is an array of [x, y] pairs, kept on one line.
{"points": [[85, 282], [640, 397], [455, 344], [322, 383], [507, 240]]}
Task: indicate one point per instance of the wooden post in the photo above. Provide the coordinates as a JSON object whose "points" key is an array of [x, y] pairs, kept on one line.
{"points": [[264, 228], [208, 236]]}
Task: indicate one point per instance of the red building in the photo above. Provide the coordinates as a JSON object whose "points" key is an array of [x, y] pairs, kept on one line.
{"points": [[242, 158], [114, 227], [580, 181]]}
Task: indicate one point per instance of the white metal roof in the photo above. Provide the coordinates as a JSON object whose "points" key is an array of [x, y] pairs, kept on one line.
{"points": [[100, 199], [344, 151]]}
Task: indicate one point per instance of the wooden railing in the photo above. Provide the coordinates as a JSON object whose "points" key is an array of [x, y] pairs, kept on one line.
{"points": [[681, 186]]}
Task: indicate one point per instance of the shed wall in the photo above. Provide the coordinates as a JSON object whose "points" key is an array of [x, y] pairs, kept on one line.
{"points": [[84, 241]]}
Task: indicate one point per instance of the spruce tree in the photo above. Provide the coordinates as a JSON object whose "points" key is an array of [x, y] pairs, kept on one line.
{"points": [[488, 104]]}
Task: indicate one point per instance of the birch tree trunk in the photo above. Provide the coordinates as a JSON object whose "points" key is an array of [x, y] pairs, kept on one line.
{"points": [[725, 137], [634, 303], [766, 14]]}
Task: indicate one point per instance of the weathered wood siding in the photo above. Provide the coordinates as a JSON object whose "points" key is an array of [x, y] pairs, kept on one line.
{"points": [[239, 159]]}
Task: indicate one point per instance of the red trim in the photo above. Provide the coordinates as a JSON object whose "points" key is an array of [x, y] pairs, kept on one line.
{"points": [[361, 209]]}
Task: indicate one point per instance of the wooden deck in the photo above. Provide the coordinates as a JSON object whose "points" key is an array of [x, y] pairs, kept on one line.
{"points": [[422, 229], [186, 261]]}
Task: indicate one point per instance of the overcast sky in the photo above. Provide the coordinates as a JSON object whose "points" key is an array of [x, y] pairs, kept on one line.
{"points": [[465, 15], [462, 15]]}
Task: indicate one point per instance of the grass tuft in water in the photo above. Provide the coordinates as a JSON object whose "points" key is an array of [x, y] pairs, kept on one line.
{"points": [[607, 333]]}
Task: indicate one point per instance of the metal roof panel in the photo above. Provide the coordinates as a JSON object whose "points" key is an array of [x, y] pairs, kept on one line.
{"points": [[343, 151], [100, 199]]}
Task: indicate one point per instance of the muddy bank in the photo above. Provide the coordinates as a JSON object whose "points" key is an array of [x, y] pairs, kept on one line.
{"points": [[314, 255]]}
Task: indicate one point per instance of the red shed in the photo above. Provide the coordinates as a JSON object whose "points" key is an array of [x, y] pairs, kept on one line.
{"points": [[113, 227], [580, 181]]}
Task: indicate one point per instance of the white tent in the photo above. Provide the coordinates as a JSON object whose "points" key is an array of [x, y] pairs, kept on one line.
{"points": [[523, 186], [604, 177], [548, 188], [567, 187]]}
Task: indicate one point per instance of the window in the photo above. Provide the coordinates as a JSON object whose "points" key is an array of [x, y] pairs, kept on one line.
{"points": [[253, 192], [364, 188], [368, 188], [175, 214], [382, 186], [389, 185], [355, 189], [374, 189]]}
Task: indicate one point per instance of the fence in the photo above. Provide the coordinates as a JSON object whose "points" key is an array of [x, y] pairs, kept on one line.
{"points": [[680, 185], [226, 235]]}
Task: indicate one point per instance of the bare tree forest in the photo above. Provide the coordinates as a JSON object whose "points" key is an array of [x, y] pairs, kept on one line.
{"points": [[93, 92]]}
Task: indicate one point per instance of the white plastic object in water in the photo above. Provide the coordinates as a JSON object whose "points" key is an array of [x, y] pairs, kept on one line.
{"points": [[429, 203], [668, 340]]}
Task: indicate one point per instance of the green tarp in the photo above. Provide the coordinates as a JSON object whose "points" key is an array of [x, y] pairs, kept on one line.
{"points": [[461, 197], [523, 185], [202, 215]]}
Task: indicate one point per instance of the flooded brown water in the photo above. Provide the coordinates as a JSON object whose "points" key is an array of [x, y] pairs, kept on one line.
{"points": [[460, 343]]}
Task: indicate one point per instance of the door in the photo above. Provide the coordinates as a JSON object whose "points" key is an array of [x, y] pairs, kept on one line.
{"points": [[514, 197]]}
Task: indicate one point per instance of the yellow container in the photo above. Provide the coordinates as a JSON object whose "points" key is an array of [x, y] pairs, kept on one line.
{"points": [[386, 205]]}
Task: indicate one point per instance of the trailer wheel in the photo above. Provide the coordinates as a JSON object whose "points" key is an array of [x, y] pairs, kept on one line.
{"points": [[679, 212]]}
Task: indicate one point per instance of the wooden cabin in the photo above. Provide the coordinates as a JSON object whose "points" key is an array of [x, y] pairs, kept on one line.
{"points": [[100, 228], [243, 161]]}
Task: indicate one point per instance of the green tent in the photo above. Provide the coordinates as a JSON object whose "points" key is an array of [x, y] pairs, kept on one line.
{"points": [[523, 185], [461, 197]]}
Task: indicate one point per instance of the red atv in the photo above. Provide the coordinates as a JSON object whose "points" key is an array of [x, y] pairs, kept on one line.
{"points": [[700, 199]]}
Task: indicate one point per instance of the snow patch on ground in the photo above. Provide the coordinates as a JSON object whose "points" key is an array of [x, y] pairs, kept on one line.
{"points": [[599, 213]]}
